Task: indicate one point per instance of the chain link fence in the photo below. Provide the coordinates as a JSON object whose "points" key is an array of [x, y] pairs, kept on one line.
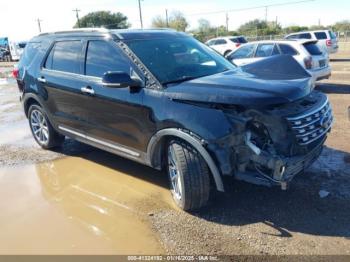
{"points": [[342, 37]]}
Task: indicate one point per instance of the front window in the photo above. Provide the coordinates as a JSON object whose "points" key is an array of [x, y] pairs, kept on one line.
{"points": [[178, 59], [245, 51]]}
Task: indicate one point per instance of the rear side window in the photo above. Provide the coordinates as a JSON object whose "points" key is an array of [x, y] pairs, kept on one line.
{"points": [[305, 36], [245, 51], [102, 57], [321, 35], [29, 53], [287, 49], [239, 40], [312, 48], [265, 50], [65, 57]]}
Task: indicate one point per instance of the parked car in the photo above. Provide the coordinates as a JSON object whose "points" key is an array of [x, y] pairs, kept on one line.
{"points": [[327, 39], [224, 45], [305, 52], [16, 50], [5, 55], [163, 99]]}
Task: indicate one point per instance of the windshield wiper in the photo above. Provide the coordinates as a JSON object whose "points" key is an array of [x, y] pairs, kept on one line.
{"points": [[183, 79]]}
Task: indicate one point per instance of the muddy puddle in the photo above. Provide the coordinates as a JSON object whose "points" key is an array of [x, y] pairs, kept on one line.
{"points": [[96, 204]]}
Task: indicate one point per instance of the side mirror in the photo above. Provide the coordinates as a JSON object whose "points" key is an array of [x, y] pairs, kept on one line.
{"points": [[120, 80]]}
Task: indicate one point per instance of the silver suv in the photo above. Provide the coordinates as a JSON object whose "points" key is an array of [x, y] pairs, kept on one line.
{"points": [[327, 40]]}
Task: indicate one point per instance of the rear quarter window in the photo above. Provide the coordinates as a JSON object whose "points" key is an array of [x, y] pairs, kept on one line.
{"points": [[312, 48], [30, 51], [287, 49], [321, 35]]}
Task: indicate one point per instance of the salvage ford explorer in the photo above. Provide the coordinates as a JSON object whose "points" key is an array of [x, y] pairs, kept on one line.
{"points": [[163, 99]]}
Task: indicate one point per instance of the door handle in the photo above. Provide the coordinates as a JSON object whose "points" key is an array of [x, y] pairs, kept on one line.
{"points": [[41, 79], [87, 90]]}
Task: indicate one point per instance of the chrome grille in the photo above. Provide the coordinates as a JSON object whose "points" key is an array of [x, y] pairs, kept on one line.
{"points": [[310, 127]]}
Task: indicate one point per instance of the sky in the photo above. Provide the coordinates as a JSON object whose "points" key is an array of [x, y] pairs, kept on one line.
{"points": [[18, 18]]}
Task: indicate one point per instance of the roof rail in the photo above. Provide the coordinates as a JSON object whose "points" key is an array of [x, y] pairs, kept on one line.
{"points": [[78, 30]]}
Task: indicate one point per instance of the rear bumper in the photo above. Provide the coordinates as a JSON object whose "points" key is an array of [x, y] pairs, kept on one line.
{"points": [[333, 49], [322, 73]]}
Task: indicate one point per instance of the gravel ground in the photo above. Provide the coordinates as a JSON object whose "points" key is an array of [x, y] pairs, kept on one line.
{"points": [[311, 217]]}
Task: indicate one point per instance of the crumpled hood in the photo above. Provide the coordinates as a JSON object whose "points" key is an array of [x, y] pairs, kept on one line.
{"points": [[275, 80]]}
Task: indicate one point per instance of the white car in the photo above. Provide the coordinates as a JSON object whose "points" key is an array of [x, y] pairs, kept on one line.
{"points": [[327, 40], [227, 44], [305, 52]]}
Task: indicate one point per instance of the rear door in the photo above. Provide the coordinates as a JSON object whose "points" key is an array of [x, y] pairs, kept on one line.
{"points": [[62, 81]]}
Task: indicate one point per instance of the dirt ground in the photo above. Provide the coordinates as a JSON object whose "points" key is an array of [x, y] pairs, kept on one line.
{"points": [[81, 200]]}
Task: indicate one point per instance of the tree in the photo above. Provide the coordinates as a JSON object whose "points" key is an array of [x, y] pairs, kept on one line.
{"points": [[259, 27], [105, 19], [204, 26], [342, 26], [294, 29], [177, 21]]}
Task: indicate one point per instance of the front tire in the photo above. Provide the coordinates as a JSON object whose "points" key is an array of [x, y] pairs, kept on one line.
{"points": [[43, 132], [188, 175]]}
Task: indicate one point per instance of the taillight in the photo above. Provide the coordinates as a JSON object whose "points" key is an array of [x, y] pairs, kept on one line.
{"points": [[15, 73], [238, 44], [308, 62], [328, 42]]}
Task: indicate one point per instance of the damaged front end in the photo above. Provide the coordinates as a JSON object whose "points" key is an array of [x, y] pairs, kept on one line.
{"points": [[270, 145]]}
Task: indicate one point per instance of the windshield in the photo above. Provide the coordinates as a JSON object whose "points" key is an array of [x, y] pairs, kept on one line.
{"points": [[177, 59]]}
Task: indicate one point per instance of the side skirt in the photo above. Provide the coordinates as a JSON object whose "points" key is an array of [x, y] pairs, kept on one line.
{"points": [[111, 147]]}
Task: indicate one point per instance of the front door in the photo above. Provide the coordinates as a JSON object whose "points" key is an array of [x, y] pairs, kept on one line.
{"points": [[116, 115]]}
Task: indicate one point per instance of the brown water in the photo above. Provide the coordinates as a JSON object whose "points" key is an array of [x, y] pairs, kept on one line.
{"points": [[98, 204]]}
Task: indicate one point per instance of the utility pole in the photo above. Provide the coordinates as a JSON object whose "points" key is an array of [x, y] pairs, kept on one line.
{"points": [[227, 22], [319, 22], [140, 14], [276, 22], [76, 10], [166, 18], [265, 14], [39, 24]]}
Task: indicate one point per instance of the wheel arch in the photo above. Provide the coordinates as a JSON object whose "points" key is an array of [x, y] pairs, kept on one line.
{"points": [[28, 102], [158, 141]]}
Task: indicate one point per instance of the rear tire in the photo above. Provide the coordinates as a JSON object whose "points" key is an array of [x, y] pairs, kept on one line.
{"points": [[189, 176], [43, 132]]}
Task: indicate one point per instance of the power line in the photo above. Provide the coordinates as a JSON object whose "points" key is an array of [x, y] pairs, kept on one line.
{"points": [[76, 10], [250, 8]]}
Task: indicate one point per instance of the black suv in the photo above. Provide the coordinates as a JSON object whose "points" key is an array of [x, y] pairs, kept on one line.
{"points": [[163, 99]]}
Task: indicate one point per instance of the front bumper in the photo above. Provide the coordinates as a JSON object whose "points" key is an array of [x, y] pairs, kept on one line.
{"points": [[283, 169]]}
